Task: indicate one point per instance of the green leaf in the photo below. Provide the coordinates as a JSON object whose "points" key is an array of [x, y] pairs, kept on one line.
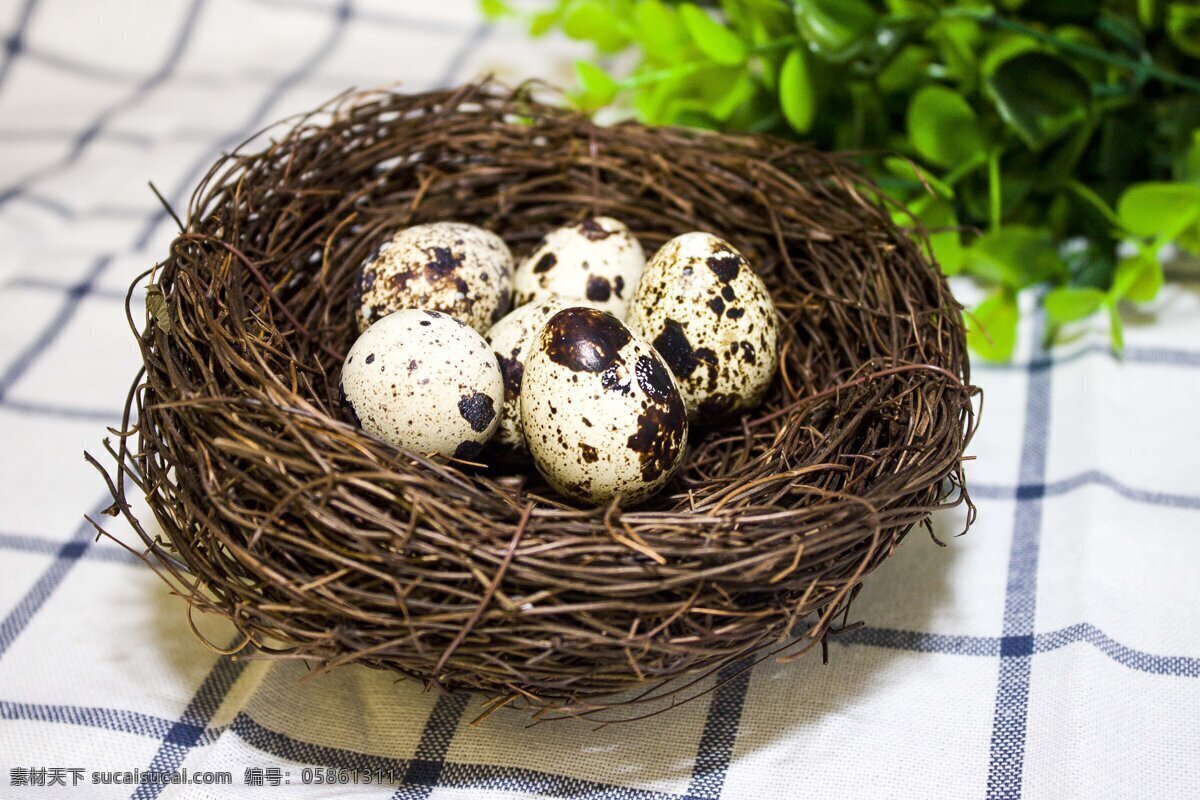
{"points": [[541, 23], [1138, 278], [906, 70], [1148, 12], [1116, 327], [835, 29], [796, 98], [992, 326], [1189, 161], [1005, 46], [695, 118], [494, 9], [939, 219], [1015, 255], [1157, 208], [593, 21], [1094, 72], [1040, 96], [904, 168], [727, 90], [1070, 303], [772, 59], [1091, 263], [659, 31], [596, 87], [1183, 27], [943, 128], [957, 41], [714, 39]]}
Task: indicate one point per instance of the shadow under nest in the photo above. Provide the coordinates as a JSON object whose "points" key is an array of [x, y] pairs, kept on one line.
{"points": [[322, 543]]}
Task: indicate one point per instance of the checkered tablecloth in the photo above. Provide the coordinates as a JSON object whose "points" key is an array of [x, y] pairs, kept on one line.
{"points": [[1054, 652]]}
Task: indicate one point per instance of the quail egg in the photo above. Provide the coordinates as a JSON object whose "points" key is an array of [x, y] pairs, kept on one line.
{"points": [[424, 381], [511, 338], [452, 267], [711, 318], [598, 260], [601, 413]]}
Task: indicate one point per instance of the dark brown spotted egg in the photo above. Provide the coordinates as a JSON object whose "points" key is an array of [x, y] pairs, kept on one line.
{"points": [[452, 267], [511, 338], [598, 260], [601, 413], [711, 318], [424, 381]]}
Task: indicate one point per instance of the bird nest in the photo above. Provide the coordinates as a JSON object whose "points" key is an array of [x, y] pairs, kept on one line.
{"points": [[322, 543]]}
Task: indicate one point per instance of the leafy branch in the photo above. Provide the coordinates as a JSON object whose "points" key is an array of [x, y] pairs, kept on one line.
{"points": [[1042, 143]]}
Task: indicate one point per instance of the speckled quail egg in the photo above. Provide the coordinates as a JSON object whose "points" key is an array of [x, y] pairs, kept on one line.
{"points": [[711, 318], [511, 338], [452, 267], [597, 259], [424, 381], [601, 413]]}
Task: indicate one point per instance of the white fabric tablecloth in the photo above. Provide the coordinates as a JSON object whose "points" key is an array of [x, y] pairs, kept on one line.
{"points": [[1053, 652]]}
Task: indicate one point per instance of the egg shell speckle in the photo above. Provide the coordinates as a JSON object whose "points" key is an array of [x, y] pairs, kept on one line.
{"points": [[601, 413], [713, 321], [512, 338], [452, 267], [424, 381], [598, 259]]}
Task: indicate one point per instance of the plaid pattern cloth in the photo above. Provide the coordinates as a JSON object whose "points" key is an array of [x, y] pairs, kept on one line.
{"points": [[1052, 653]]}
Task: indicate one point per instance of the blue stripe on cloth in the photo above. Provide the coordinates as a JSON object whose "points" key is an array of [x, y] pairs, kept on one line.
{"points": [[26, 358], [111, 719], [1075, 482], [492, 778], [424, 770], [1007, 750], [110, 416], [45, 285], [286, 748], [43, 135], [34, 544], [14, 43], [964, 645], [715, 750], [140, 92], [1178, 666], [189, 730], [96, 212], [65, 557], [918, 642], [462, 53], [80, 69]]}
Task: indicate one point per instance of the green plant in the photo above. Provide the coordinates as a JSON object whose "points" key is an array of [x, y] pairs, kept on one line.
{"points": [[1042, 143]]}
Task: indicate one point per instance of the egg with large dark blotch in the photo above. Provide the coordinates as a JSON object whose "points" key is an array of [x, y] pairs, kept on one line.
{"points": [[598, 260], [512, 338], [712, 319], [601, 414], [452, 267], [424, 381]]}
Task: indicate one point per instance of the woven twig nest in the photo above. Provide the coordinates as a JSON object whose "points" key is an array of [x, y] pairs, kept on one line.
{"points": [[320, 542]]}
